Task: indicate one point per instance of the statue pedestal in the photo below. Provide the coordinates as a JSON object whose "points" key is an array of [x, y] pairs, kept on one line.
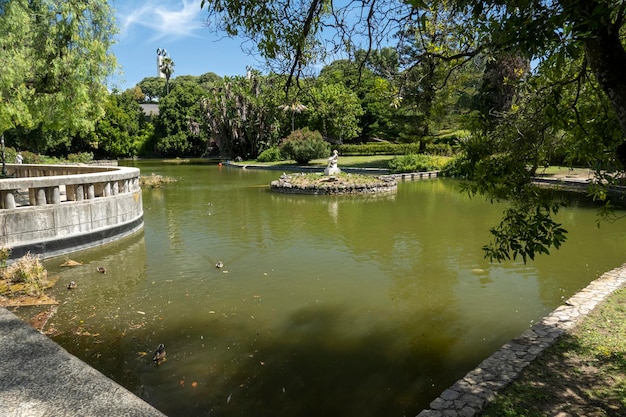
{"points": [[331, 171]]}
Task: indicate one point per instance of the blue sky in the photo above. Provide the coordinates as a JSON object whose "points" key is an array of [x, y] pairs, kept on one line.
{"points": [[177, 26]]}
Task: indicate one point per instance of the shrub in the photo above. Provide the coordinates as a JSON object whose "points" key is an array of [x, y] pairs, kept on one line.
{"points": [[459, 167], [304, 145], [272, 154], [378, 148], [154, 180], [31, 158], [4, 257], [415, 163], [29, 271], [442, 149], [80, 158], [452, 138]]}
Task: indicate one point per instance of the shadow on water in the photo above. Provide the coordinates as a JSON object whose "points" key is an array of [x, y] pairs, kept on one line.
{"points": [[310, 366]]}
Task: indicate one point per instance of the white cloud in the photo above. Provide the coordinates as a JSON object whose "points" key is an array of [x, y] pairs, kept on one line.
{"points": [[161, 19]]}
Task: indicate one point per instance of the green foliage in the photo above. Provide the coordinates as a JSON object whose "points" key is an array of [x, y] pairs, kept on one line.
{"points": [[414, 163], [442, 149], [304, 145], [457, 167], [453, 138], [80, 158], [175, 144], [527, 229], [153, 88], [437, 43], [179, 128], [243, 114], [335, 111], [56, 60], [271, 27], [384, 148], [167, 68], [32, 158], [122, 130], [378, 148], [376, 94], [272, 154], [4, 257]]}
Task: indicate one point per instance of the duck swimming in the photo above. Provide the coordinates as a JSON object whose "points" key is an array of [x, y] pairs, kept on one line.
{"points": [[159, 354], [219, 264], [71, 285], [101, 269]]}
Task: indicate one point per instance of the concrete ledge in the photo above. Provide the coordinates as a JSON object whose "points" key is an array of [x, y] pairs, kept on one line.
{"points": [[39, 378]]}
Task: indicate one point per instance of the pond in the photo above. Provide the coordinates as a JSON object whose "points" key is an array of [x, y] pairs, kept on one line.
{"points": [[325, 305]]}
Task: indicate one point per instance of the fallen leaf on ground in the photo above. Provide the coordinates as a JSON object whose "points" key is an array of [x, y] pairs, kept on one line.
{"points": [[70, 262]]}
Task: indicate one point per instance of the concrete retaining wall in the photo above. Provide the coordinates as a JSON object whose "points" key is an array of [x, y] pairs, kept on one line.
{"points": [[67, 208]]}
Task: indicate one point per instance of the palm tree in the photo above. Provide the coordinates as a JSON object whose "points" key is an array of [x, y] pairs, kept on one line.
{"points": [[167, 68], [295, 107]]}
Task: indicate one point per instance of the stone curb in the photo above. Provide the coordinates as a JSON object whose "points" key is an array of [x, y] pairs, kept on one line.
{"points": [[38, 378], [468, 396]]}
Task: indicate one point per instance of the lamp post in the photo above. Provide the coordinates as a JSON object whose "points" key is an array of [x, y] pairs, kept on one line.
{"points": [[161, 53]]}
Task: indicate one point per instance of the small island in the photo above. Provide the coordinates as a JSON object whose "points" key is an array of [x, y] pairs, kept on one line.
{"points": [[342, 183], [333, 181]]}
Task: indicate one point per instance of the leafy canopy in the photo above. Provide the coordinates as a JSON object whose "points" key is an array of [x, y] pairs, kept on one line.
{"points": [[56, 58]]}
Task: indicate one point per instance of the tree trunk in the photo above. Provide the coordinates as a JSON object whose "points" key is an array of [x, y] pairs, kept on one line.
{"points": [[607, 59], [595, 22]]}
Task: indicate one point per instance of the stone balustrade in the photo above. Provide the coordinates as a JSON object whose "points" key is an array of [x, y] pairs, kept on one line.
{"points": [[55, 209], [46, 183]]}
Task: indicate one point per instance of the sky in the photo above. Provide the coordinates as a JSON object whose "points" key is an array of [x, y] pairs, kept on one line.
{"points": [[178, 27]]}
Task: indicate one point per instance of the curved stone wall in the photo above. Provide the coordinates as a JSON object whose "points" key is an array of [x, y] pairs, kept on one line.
{"points": [[51, 210]]}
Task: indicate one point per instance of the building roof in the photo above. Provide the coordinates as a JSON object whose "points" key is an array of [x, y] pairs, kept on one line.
{"points": [[150, 110]]}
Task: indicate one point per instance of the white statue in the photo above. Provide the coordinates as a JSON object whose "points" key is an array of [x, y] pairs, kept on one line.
{"points": [[332, 169]]}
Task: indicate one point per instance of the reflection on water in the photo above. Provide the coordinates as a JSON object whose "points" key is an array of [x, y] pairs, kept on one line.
{"points": [[326, 305]]}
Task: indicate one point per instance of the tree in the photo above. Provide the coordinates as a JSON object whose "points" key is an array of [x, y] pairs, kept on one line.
{"points": [[575, 96], [56, 59], [334, 111], [123, 129], [376, 95], [206, 80], [137, 94], [179, 126], [153, 88], [243, 114], [293, 108], [167, 68]]}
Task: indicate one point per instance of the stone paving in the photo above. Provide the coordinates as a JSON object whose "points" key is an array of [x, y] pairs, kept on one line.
{"points": [[38, 378], [468, 396]]}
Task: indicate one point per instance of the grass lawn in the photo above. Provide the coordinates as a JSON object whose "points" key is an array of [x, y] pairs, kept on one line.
{"points": [[582, 374]]}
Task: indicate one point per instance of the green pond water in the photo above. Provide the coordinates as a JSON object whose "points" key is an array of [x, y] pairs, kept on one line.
{"points": [[325, 306]]}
